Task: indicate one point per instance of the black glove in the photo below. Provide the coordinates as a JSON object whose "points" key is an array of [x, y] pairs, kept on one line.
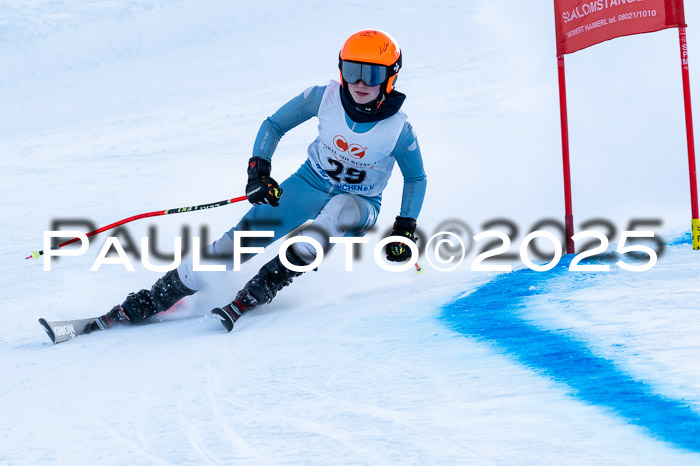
{"points": [[404, 227], [261, 188]]}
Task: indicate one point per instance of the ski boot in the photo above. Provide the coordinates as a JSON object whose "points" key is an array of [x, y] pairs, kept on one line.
{"points": [[261, 289], [116, 316], [143, 304]]}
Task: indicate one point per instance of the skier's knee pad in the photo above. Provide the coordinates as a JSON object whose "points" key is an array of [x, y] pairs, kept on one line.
{"points": [[297, 254], [303, 252], [340, 215]]}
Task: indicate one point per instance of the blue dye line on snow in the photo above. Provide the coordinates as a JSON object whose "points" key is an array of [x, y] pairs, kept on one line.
{"points": [[490, 314]]}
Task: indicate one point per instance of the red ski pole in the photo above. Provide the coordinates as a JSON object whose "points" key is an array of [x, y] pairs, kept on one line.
{"points": [[36, 254]]}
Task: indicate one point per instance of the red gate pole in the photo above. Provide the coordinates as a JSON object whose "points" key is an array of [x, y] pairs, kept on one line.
{"points": [[569, 217], [695, 222]]}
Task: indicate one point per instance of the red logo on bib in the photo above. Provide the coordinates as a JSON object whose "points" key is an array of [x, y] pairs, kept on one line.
{"points": [[341, 143], [354, 150]]}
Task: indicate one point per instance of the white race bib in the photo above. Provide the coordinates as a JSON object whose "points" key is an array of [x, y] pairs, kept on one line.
{"points": [[359, 163]]}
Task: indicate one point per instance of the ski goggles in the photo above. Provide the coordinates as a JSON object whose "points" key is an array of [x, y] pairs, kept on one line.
{"points": [[370, 74]]}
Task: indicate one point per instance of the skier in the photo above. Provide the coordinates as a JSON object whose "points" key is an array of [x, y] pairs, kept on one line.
{"points": [[362, 132]]}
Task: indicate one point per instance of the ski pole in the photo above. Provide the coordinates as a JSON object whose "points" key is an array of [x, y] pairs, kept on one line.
{"points": [[36, 254]]}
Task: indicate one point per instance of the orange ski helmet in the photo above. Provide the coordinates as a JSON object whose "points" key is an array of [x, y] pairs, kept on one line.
{"points": [[372, 56]]}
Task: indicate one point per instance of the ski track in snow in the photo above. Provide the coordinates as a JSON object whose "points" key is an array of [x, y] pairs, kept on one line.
{"points": [[339, 405], [237, 442]]}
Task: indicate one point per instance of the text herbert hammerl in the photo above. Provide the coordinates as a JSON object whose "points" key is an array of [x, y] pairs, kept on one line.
{"points": [[611, 20]]}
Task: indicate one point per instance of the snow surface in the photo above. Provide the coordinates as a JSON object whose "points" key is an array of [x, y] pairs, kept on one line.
{"points": [[113, 108]]}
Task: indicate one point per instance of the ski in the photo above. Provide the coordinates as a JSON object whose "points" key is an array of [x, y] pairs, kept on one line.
{"points": [[60, 331], [229, 314], [64, 330]]}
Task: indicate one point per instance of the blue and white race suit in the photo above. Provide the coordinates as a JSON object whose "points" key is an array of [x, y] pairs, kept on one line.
{"points": [[339, 186]]}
